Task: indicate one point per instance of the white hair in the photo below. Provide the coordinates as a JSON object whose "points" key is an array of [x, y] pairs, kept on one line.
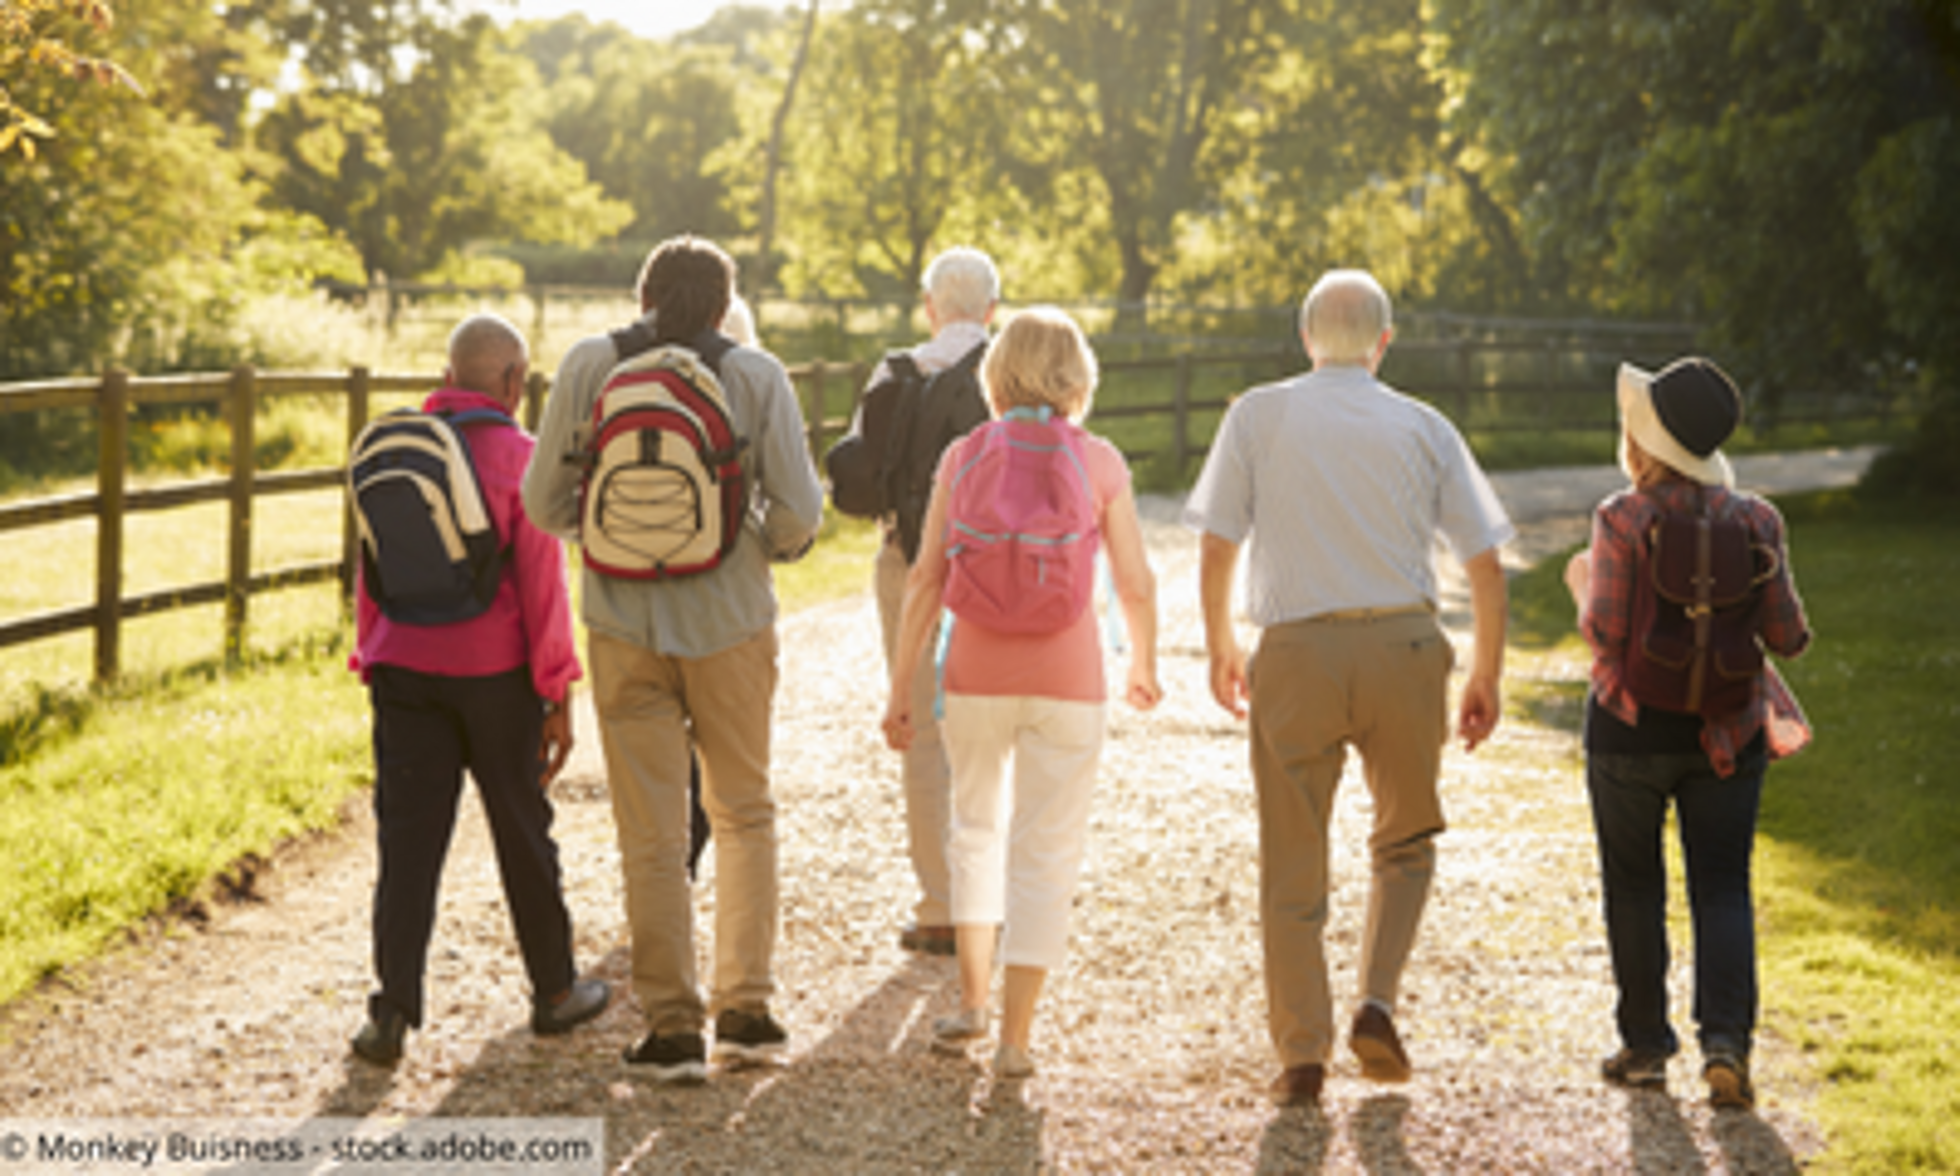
{"points": [[963, 284], [1344, 315], [739, 321]]}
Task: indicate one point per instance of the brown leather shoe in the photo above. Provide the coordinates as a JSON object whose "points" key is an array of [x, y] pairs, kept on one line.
{"points": [[1374, 1040], [1298, 1086], [928, 940]]}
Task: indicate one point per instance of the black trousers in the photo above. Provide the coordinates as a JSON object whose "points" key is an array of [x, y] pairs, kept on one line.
{"points": [[427, 730]]}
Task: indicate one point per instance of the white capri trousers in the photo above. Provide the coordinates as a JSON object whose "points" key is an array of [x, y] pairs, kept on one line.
{"points": [[1015, 854]]}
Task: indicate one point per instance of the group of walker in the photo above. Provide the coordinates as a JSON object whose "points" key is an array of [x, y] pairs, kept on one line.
{"points": [[1337, 484]]}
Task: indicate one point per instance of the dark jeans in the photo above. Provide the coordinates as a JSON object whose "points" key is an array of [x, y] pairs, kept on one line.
{"points": [[1717, 819], [427, 730]]}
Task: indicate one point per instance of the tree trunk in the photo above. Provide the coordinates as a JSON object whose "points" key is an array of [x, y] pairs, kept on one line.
{"points": [[773, 161], [1133, 289]]}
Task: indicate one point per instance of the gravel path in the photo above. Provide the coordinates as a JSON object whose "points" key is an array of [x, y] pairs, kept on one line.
{"points": [[1151, 1042]]}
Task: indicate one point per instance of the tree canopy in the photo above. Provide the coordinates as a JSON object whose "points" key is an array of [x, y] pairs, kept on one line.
{"points": [[1780, 172]]}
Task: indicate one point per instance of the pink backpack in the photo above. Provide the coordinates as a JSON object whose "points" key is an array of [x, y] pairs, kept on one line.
{"points": [[1021, 533]]}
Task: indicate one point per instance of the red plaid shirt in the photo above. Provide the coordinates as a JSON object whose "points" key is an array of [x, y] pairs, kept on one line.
{"points": [[1618, 527]]}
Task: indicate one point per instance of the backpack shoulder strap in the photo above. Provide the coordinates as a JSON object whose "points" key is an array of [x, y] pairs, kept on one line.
{"points": [[638, 336], [903, 365], [478, 416], [711, 345], [941, 410], [631, 339]]}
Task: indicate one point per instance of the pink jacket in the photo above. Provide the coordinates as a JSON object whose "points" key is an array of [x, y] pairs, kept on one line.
{"points": [[529, 622]]}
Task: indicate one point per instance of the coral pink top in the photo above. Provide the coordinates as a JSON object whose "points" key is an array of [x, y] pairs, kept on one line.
{"points": [[1067, 665]]}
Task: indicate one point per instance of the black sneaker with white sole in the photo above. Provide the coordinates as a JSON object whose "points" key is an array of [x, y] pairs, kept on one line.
{"points": [[675, 1058], [1641, 1069], [748, 1038]]}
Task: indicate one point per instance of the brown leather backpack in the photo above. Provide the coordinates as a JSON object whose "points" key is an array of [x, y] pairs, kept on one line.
{"points": [[1695, 644]]}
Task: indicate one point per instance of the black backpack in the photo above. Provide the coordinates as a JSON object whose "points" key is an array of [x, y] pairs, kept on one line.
{"points": [[430, 554], [885, 466]]}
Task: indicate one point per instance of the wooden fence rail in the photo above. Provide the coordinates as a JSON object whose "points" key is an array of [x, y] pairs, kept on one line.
{"points": [[1456, 375], [238, 394]]}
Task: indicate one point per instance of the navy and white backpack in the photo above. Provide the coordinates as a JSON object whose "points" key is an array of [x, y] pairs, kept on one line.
{"points": [[430, 553]]}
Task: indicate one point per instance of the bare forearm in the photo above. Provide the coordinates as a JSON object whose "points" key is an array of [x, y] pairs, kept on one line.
{"points": [[1218, 560], [1490, 614]]}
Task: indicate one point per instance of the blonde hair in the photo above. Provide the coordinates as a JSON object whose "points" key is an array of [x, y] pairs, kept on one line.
{"points": [[1041, 359]]}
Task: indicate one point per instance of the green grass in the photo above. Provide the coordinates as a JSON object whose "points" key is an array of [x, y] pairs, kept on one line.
{"points": [[1857, 871], [127, 800]]}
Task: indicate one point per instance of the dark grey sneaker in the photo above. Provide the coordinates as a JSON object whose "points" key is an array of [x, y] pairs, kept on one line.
{"points": [[748, 1038], [676, 1058], [380, 1039], [1642, 1069], [584, 1000]]}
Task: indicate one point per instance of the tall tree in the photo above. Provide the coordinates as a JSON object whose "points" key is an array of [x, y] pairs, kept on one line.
{"points": [[897, 144], [1333, 154], [1770, 168], [646, 119], [134, 234], [772, 165], [1137, 89], [453, 153]]}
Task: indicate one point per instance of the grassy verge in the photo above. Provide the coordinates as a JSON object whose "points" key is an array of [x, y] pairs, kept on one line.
{"points": [[118, 803], [1858, 882]]}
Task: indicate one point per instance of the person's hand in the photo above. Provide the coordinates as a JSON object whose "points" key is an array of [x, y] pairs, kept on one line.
{"points": [[1578, 576], [556, 746], [1143, 690], [1228, 683], [898, 723], [1478, 712]]}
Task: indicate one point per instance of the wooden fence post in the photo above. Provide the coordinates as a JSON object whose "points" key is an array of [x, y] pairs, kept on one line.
{"points": [[858, 374], [241, 409], [358, 383], [813, 414], [1461, 361], [1181, 415], [534, 391], [112, 431]]}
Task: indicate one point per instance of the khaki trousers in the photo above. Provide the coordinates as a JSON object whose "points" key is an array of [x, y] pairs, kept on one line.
{"points": [[650, 708], [927, 781], [1317, 687]]}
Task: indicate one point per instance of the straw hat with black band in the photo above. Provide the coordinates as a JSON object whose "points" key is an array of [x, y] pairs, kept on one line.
{"points": [[1680, 416]]}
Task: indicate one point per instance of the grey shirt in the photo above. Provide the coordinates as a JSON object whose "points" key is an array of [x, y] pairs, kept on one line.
{"points": [[1343, 485], [699, 615]]}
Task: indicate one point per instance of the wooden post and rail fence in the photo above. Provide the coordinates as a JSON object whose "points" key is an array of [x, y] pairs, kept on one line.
{"points": [[238, 395]]}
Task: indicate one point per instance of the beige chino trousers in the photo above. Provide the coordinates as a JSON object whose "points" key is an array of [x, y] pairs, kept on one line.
{"points": [[651, 707], [927, 780], [1318, 687]]}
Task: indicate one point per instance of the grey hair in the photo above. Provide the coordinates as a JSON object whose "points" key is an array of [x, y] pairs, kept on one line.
{"points": [[963, 284], [1344, 315]]}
